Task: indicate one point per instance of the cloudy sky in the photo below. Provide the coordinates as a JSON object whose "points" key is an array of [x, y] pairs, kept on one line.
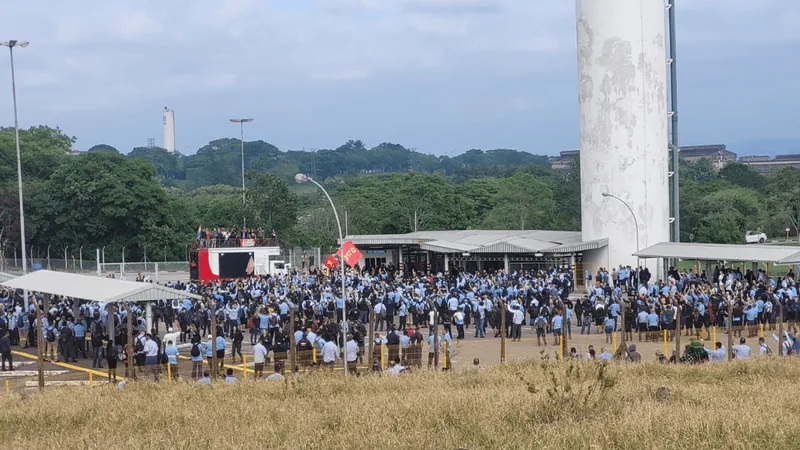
{"points": [[442, 76]]}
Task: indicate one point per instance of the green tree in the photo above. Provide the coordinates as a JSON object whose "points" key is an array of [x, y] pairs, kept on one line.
{"points": [[100, 198], [720, 228], [522, 203], [169, 166], [743, 175], [272, 205], [102, 148]]}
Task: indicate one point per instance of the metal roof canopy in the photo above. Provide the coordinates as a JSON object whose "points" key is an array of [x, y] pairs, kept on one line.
{"points": [[487, 241], [94, 288], [6, 276], [720, 252]]}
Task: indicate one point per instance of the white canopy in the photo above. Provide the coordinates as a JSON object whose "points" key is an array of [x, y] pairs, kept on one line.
{"points": [[5, 276], [95, 288]]}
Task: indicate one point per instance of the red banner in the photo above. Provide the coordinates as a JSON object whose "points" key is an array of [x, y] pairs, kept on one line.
{"points": [[349, 253], [330, 262], [247, 242]]}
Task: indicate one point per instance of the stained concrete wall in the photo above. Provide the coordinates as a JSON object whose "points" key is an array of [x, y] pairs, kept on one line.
{"points": [[623, 124]]}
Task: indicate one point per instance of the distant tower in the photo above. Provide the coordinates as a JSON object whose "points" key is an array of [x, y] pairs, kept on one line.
{"points": [[151, 142], [622, 95], [169, 129]]}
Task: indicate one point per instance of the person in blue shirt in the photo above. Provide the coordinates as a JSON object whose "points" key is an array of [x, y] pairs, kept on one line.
{"points": [[206, 378], [652, 326], [171, 351], [229, 378], [609, 328], [557, 324], [80, 338]]}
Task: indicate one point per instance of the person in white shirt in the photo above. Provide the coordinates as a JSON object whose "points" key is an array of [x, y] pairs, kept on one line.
{"points": [[277, 374], [259, 358], [330, 354], [741, 351], [719, 354], [351, 352], [763, 348], [396, 369], [150, 356]]}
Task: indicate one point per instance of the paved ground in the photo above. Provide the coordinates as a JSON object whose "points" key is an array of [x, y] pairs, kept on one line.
{"points": [[487, 350]]}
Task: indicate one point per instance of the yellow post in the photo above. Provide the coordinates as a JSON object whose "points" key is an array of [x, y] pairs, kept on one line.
{"points": [[614, 341], [383, 349], [314, 355], [761, 332], [714, 335], [561, 346], [444, 366], [169, 371], [244, 366], [665, 342], [8, 389], [91, 382]]}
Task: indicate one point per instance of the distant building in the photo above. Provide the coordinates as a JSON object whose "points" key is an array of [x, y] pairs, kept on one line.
{"points": [[74, 152], [564, 160], [169, 129], [717, 153], [763, 164]]}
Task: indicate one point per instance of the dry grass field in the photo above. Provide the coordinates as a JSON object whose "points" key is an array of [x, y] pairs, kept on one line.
{"points": [[519, 405]]}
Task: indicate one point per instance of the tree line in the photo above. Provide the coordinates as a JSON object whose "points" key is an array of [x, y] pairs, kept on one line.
{"points": [[152, 199]]}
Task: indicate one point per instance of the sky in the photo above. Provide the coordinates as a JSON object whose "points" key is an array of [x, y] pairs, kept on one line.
{"points": [[440, 76]]}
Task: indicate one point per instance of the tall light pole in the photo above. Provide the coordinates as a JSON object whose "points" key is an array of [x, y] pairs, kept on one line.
{"points": [[11, 45], [241, 123], [635, 222], [303, 178]]}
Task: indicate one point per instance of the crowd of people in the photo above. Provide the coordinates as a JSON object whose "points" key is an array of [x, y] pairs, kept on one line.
{"points": [[231, 237], [331, 329]]}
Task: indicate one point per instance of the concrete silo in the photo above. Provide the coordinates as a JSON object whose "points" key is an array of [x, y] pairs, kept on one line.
{"points": [[622, 79]]}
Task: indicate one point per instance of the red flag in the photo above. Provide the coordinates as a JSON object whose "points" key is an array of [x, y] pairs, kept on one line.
{"points": [[251, 266], [330, 262], [349, 253]]}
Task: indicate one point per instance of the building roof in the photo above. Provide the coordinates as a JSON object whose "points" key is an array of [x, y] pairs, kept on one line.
{"points": [[95, 288], [793, 259], [720, 252], [486, 241]]}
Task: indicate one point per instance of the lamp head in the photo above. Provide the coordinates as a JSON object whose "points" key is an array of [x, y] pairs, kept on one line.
{"points": [[301, 178], [605, 194]]}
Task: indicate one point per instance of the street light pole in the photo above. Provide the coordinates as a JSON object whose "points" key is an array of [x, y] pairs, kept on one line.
{"points": [[635, 222], [303, 178], [11, 45], [241, 123]]}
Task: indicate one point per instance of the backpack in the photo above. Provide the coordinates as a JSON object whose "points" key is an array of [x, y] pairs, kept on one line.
{"points": [[20, 322], [138, 346], [330, 306], [51, 335], [195, 350]]}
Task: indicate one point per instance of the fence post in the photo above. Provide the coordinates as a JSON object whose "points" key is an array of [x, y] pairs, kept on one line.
{"points": [[664, 333], [371, 335], [561, 345], [244, 366], [445, 366], [91, 380], [169, 370], [131, 362], [564, 325], [780, 328], [39, 338], [292, 343], [677, 331], [730, 330], [435, 338], [211, 305], [383, 351], [503, 332], [761, 330]]}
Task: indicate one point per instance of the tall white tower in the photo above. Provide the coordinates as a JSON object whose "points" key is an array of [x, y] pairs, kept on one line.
{"points": [[622, 91], [169, 129]]}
